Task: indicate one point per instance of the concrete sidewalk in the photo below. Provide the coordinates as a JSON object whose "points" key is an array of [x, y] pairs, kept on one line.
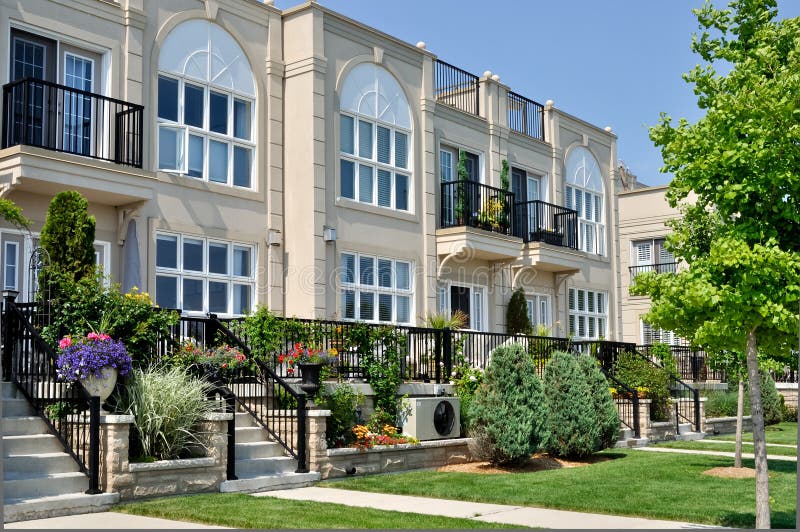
{"points": [[492, 513], [105, 521], [712, 453]]}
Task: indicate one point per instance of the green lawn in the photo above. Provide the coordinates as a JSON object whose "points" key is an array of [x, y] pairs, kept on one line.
{"points": [[785, 433], [637, 483], [238, 510], [725, 446]]}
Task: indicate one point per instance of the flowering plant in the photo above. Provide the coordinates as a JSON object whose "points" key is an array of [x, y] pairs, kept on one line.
{"points": [[389, 435], [307, 355], [216, 361], [90, 355]]}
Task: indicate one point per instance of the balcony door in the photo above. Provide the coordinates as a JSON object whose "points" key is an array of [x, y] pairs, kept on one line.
{"points": [[471, 301], [32, 56], [77, 126], [526, 188]]}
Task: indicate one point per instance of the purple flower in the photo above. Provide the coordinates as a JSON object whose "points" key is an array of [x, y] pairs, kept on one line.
{"points": [[89, 356]]}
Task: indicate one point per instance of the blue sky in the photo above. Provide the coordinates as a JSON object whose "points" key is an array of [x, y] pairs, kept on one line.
{"points": [[612, 63]]}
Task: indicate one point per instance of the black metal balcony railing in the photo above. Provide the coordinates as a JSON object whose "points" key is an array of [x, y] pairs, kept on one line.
{"points": [[538, 221], [664, 267], [525, 116], [456, 88], [473, 204], [55, 117]]}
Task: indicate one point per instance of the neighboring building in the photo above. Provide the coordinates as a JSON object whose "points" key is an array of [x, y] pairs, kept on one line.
{"points": [[235, 154], [642, 231]]}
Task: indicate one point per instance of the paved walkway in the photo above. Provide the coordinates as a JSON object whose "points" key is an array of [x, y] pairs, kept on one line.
{"points": [[492, 513], [712, 453], [105, 521]]}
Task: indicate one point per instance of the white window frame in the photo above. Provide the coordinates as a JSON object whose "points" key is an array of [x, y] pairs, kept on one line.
{"points": [[594, 225], [372, 162], [478, 321], [649, 335], [181, 273], [582, 305], [6, 264], [535, 305], [655, 258], [375, 289], [204, 132]]}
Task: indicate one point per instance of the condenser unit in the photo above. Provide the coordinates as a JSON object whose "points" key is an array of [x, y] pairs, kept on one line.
{"points": [[433, 418]]}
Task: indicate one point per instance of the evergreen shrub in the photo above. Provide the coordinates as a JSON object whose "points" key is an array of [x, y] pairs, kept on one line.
{"points": [[603, 402], [508, 416]]}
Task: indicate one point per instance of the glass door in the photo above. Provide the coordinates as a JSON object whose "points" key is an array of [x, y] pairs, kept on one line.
{"points": [[78, 74]]}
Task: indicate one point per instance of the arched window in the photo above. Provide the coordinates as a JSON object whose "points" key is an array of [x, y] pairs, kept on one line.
{"points": [[584, 193], [206, 100], [375, 139]]}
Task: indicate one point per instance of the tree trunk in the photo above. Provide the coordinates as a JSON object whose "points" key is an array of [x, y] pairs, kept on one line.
{"points": [[737, 461], [759, 439]]}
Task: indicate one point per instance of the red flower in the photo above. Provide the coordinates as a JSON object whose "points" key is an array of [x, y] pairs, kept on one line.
{"points": [[280, 359]]}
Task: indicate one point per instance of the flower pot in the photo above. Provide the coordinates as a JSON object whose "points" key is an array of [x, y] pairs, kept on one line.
{"points": [[310, 374], [101, 386]]}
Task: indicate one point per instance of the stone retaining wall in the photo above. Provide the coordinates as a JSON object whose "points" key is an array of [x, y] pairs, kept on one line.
{"points": [[789, 392], [165, 477], [333, 463], [727, 425]]}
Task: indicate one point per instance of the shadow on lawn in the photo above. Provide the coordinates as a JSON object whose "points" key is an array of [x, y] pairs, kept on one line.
{"points": [[748, 519]]}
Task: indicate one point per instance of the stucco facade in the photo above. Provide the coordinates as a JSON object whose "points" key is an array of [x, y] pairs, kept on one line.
{"points": [[267, 196]]}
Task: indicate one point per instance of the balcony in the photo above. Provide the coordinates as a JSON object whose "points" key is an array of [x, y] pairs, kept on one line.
{"points": [[55, 138], [525, 116], [456, 88], [477, 217], [664, 267], [537, 221], [58, 118]]}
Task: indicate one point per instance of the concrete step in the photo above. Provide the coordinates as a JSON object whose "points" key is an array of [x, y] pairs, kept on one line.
{"points": [[250, 434], [254, 467], [684, 428], [690, 436], [23, 425], [32, 486], [15, 510], [37, 464], [9, 390], [632, 442], [16, 407], [269, 482], [625, 433], [258, 449], [31, 444]]}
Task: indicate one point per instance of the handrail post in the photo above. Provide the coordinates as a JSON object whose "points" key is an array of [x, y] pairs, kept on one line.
{"points": [[211, 329], [94, 446], [7, 360], [637, 431], [302, 459], [696, 394], [447, 354], [437, 354], [230, 472]]}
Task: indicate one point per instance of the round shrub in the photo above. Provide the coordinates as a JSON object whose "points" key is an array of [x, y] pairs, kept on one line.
{"points": [[603, 402], [572, 422], [508, 416]]}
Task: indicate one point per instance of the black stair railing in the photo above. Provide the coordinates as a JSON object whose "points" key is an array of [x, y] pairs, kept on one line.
{"points": [[68, 410]]}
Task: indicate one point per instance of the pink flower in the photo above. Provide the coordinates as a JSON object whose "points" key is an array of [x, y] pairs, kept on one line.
{"points": [[103, 336], [65, 342], [93, 336]]}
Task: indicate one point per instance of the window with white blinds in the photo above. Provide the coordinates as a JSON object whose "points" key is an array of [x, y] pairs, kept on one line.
{"points": [[652, 253], [591, 229], [376, 289], [654, 335], [588, 314]]}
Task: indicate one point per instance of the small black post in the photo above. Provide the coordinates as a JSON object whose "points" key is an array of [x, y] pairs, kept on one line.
{"points": [[230, 400], [637, 431], [94, 446], [437, 357], [211, 329], [447, 353], [8, 338], [302, 459], [696, 394]]}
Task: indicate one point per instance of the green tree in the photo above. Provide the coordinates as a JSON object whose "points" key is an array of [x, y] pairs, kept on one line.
{"points": [[602, 402], [507, 416], [572, 428], [68, 238], [741, 160], [517, 320], [11, 213]]}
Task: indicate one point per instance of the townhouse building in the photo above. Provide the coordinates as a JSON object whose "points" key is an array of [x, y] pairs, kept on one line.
{"points": [[236, 155]]}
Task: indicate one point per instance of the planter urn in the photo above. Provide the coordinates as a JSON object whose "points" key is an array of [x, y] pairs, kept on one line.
{"points": [[310, 375], [101, 386]]}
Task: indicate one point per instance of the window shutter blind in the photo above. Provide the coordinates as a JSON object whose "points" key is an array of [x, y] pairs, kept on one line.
{"points": [[384, 145], [384, 188]]}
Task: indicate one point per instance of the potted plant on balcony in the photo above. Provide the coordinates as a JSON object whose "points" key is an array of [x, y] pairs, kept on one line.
{"points": [[310, 361], [459, 208], [95, 360]]}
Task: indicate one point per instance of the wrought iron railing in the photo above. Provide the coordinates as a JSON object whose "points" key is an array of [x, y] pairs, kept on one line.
{"points": [[604, 351], [525, 116], [693, 364], [538, 221], [68, 410], [664, 267], [456, 88], [59, 118], [627, 401], [473, 204]]}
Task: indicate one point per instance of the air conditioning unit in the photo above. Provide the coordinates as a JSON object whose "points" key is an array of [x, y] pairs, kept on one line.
{"points": [[433, 418]]}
